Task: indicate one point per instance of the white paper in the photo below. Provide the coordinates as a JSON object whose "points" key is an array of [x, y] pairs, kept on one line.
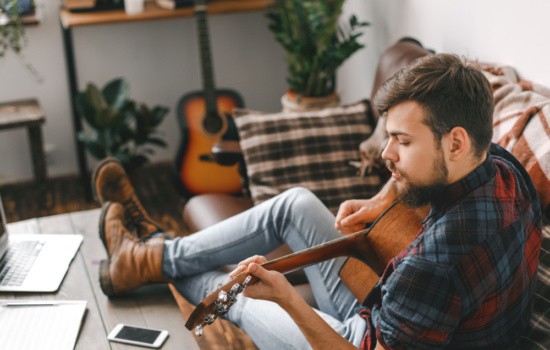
{"points": [[40, 324]]}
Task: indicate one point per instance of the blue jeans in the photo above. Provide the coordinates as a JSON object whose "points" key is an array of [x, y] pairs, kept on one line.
{"points": [[295, 217]]}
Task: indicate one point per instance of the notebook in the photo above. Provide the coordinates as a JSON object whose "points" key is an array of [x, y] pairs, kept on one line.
{"points": [[33, 262], [40, 324]]}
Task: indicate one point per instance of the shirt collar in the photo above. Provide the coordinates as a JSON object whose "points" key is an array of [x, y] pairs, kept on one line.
{"points": [[455, 191]]}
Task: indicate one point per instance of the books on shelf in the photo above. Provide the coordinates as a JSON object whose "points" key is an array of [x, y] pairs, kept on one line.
{"points": [[174, 4]]}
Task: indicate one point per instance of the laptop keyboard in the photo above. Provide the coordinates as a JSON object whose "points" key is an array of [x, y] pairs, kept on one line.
{"points": [[17, 261]]}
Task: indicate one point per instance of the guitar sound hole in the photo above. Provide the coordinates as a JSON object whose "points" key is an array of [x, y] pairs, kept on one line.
{"points": [[212, 125]]}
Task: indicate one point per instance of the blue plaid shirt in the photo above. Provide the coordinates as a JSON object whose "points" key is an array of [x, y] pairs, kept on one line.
{"points": [[467, 280]]}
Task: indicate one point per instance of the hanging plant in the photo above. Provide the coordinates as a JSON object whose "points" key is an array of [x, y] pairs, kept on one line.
{"points": [[12, 31]]}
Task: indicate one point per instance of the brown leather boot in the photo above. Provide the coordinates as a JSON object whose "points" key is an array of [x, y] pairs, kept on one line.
{"points": [[132, 263], [110, 183], [113, 220]]}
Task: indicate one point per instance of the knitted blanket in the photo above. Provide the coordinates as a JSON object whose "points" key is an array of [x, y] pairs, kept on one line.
{"points": [[521, 124]]}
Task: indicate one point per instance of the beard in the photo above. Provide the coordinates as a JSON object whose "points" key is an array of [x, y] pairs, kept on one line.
{"points": [[419, 195]]}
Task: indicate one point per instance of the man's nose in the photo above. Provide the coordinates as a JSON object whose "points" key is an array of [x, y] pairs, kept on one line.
{"points": [[389, 151]]}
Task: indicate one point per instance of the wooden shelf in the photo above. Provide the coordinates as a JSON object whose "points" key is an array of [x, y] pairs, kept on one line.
{"points": [[30, 19], [154, 12]]}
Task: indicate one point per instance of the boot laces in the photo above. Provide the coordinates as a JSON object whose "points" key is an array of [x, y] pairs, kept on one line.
{"points": [[134, 210], [136, 214]]}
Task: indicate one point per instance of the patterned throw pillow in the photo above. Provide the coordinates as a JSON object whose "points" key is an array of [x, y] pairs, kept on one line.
{"points": [[310, 149]]}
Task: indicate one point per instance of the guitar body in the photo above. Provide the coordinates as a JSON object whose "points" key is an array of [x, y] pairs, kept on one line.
{"points": [[205, 118], [195, 173], [392, 233]]}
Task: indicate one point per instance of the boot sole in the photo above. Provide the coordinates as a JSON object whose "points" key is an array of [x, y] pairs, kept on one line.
{"points": [[105, 279], [96, 173], [104, 210]]}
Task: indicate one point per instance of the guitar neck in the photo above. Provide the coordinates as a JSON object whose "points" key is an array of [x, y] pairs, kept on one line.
{"points": [[344, 246], [205, 56]]}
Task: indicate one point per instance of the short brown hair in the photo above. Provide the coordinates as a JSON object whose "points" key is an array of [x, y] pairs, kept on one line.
{"points": [[452, 92]]}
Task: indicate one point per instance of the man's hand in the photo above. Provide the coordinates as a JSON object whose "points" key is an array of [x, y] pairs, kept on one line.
{"points": [[272, 285], [354, 214], [371, 149]]}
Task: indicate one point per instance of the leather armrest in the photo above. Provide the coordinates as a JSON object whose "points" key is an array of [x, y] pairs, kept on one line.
{"points": [[206, 210]]}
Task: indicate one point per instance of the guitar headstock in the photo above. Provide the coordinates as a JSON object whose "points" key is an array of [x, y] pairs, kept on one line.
{"points": [[218, 303]]}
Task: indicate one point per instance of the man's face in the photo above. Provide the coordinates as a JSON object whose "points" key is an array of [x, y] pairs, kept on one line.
{"points": [[414, 157]]}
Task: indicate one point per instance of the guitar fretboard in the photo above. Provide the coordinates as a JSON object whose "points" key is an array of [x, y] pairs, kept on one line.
{"points": [[206, 57]]}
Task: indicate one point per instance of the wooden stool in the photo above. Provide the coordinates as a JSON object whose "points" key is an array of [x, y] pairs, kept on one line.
{"points": [[29, 114]]}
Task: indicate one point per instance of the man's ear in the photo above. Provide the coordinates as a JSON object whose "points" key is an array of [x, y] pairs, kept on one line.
{"points": [[459, 143]]}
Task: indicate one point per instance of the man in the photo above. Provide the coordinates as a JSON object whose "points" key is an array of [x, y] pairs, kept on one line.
{"points": [[465, 282]]}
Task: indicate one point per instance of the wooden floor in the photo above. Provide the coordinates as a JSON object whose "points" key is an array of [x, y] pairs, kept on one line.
{"points": [[155, 187]]}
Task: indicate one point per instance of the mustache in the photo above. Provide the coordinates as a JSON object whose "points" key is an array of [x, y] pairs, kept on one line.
{"points": [[390, 166]]}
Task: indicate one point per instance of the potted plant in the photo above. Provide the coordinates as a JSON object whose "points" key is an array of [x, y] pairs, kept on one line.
{"points": [[316, 43], [121, 128]]}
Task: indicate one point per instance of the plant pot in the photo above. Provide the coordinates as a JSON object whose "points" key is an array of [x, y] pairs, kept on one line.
{"points": [[293, 102]]}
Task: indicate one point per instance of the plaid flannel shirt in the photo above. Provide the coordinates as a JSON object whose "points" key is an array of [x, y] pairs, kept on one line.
{"points": [[467, 280]]}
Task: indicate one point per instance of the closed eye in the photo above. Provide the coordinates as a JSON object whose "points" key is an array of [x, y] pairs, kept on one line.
{"points": [[404, 142]]}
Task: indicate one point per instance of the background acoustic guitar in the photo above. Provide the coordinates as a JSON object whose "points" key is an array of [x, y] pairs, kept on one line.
{"points": [[370, 251], [204, 119]]}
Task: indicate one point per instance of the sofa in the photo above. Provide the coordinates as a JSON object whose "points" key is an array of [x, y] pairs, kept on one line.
{"points": [[515, 129]]}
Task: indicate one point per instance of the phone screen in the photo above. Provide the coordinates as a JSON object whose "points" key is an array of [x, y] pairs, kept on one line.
{"points": [[138, 334]]}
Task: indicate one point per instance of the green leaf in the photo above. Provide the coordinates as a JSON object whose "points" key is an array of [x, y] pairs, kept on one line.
{"points": [[94, 145], [86, 109], [124, 157], [157, 141], [116, 93], [95, 97], [158, 115]]}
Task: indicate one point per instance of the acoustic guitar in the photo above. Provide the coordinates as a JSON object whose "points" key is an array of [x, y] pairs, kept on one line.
{"points": [[370, 251], [204, 119]]}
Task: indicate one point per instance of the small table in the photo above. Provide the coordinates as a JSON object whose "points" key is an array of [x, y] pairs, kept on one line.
{"points": [[27, 114], [150, 306]]}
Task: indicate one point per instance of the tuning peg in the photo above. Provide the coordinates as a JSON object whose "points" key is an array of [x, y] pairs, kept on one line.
{"points": [[198, 330], [222, 297], [236, 289], [222, 309], [210, 319]]}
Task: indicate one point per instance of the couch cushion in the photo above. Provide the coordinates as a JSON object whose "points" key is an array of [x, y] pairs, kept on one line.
{"points": [[538, 335], [311, 149]]}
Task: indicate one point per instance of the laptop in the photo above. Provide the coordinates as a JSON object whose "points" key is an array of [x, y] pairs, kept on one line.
{"points": [[34, 262]]}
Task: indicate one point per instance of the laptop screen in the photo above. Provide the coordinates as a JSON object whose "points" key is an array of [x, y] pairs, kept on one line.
{"points": [[3, 229]]}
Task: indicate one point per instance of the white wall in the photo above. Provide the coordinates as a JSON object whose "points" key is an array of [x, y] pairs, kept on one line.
{"points": [[512, 32], [160, 60]]}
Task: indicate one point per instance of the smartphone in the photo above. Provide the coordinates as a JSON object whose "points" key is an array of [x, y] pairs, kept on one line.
{"points": [[151, 338]]}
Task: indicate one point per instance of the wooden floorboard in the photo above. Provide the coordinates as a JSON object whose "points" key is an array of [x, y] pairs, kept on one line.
{"points": [[156, 189]]}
